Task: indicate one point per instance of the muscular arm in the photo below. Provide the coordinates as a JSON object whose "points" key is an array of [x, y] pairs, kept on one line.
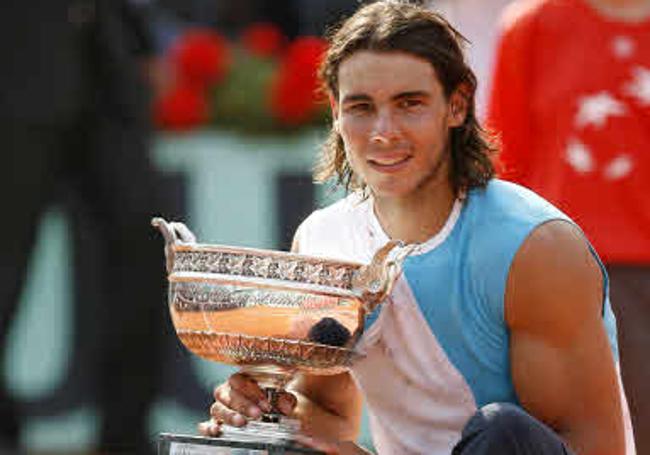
{"points": [[562, 365]]}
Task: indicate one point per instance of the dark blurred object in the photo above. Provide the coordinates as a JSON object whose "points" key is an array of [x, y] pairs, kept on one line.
{"points": [[293, 17], [329, 331], [192, 11], [232, 17], [317, 16], [75, 120], [295, 199]]}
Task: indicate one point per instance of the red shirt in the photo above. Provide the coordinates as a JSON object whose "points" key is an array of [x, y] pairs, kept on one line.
{"points": [[571, 101]]}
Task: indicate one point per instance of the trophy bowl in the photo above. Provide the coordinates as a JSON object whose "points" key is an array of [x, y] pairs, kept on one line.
{"points": [[271, 313]]}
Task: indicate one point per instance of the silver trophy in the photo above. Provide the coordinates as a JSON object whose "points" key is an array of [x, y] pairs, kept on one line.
{"points": [[271, 313]]}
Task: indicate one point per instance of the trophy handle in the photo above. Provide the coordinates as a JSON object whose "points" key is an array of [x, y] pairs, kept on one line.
{"points": [[374, 282], [175, 233]]}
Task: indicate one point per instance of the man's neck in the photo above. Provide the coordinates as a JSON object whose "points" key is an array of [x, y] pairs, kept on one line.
{"points": [[416, 218], [624, 10]]}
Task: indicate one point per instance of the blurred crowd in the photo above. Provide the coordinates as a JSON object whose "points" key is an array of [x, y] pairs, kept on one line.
{"points": [[565, 85]]}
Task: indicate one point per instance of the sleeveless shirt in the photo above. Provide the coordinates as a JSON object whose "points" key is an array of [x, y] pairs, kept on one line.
{"points": [[438, 348]]}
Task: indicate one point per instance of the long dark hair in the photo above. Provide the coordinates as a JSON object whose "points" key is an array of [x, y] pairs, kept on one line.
{"points": [[392, 25]]}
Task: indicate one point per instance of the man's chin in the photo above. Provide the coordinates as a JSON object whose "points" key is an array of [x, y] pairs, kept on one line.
{"points": [[390, 191]]}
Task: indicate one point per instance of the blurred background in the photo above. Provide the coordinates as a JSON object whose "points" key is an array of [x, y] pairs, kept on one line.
{"points": [[114, 111]]}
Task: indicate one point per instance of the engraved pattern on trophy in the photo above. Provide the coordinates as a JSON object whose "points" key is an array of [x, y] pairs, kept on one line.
{"points": [[243, 264], [248, 350]]}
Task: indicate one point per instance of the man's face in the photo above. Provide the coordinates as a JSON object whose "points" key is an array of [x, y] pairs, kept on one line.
{"points": [[394, 120]]}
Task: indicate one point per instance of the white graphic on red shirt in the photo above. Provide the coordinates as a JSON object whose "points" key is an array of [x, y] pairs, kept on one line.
{"points": [[579, 157], [619, 167], [597, 108], [623, 46], [639, 87]]}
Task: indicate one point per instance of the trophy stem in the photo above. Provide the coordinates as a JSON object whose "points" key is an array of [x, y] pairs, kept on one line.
{"points": [[274, 415]]}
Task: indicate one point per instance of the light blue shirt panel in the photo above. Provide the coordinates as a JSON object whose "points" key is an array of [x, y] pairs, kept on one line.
{"points": [[460, 285]]}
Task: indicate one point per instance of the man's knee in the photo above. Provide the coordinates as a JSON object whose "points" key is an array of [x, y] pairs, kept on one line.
{"points": [[498, 417], [507, 429]]}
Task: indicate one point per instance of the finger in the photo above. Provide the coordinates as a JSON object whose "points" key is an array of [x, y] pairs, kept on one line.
{"points": [[234, 400], [209, 428], [248, 387], [286, 402], [222, 413]]}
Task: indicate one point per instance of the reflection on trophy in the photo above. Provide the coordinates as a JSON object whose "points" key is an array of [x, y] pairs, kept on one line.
{"points": [[271, 313]]}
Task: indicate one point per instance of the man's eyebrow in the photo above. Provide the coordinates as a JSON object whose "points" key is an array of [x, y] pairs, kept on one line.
{"points": [[355, 97], [411, 94]]}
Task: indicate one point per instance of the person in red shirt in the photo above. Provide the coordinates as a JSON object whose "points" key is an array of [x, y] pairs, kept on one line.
{"points": [[570, 102]]}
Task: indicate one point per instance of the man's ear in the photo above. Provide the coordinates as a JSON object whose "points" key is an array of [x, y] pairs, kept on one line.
{"points": [[458, 104]]}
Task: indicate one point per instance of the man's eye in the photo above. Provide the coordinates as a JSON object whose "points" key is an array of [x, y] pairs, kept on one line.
{"points": [[409, 102], [359, 107]]}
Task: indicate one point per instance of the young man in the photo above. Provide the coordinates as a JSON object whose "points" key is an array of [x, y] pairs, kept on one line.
{"points": [[499, 328]]}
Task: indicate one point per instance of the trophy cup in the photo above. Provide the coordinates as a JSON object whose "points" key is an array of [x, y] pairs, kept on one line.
{"points": [[271, 313]]}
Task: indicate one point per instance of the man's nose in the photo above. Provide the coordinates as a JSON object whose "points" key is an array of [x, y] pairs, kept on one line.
{"points": [[385, 128]]}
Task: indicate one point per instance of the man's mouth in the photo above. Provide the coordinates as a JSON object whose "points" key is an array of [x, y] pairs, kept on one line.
{"points": [[389, 161]]}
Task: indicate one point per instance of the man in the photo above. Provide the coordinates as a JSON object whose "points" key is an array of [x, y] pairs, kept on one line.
{"points": [[497, 329], [571, 101]]}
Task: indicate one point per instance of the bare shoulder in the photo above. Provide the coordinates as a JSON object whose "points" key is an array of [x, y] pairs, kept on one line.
{"points": [[555, 281]]}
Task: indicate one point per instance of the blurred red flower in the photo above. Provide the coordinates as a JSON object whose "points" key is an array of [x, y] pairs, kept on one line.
{"points": [[306, 51], [201, 57], [263, 39], [294, 96], [182, 108]]}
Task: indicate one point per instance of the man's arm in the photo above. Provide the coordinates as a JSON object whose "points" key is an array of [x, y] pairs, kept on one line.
{"points": [[329, 407], [562, 364]]}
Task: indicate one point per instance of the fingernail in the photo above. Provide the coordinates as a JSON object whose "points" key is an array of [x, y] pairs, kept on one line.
{"points": [[254, 412], [238, 420]]}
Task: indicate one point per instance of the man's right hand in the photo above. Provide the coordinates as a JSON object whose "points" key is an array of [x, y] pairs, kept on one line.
{"points": [[240, 399]]}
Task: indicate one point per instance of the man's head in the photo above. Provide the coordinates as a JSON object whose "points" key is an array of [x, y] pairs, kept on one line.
{"points": [[401, 32]]}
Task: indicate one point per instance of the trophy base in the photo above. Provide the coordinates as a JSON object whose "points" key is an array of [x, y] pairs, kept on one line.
{"points": [[256, 438]]}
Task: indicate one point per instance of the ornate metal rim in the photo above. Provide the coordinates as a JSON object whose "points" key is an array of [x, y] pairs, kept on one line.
{"points": [[264, 264], [257, 350], [204, 295]]}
